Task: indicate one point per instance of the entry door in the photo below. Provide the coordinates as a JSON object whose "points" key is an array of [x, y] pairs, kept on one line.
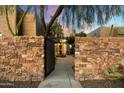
{"points": [[49, 56]]}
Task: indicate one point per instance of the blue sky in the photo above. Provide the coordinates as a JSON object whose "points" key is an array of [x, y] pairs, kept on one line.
{"points": [[116, 21]]}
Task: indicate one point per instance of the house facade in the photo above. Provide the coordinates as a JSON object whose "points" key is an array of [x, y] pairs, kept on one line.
{"points": [[106, 32], [29, 25], [4, 30], [67, 32]]}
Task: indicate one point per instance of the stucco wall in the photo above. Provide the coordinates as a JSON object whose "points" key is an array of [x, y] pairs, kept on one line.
{"points": [[29, 25], [3, 23]]}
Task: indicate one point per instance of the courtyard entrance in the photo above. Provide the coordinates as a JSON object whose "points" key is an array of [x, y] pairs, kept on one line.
{"points": [[59, 64], [62, 76]]}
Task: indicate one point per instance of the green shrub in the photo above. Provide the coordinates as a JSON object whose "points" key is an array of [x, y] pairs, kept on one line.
{"points": [[115, 71]]}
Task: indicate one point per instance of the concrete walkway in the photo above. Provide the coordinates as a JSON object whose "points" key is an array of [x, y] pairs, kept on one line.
{"points": [[62, 76]]}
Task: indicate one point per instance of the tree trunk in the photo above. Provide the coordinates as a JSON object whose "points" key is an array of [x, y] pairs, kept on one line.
{"points": [[57, 13], [43, 25]]}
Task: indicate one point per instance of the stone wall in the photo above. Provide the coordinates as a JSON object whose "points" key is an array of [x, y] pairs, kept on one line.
{"points": [[94, 55], [22, 59]]}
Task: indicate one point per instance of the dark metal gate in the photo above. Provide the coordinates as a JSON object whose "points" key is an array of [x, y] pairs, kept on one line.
{"points": [[49, 56]]}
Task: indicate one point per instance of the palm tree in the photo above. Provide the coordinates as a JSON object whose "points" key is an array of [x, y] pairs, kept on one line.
{"points": [[10, 9]]}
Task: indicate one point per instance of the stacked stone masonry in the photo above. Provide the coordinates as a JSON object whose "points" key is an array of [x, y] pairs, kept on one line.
{"points": [[22, 58], [94, 55]]}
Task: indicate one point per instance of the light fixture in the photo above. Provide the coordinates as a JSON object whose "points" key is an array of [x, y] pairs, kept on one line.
{"points": [[0, 34]]}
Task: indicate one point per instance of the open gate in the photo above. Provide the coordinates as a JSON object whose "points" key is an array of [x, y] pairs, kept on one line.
{"points": [[49, 56]]}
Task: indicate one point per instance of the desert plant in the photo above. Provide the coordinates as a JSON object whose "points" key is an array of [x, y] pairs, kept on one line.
{"points": [[115, 71], [56, 30], [81, 34]]}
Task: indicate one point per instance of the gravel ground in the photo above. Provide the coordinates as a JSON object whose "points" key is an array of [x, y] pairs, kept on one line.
{"points": [[7, 84], [103, 84]]}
